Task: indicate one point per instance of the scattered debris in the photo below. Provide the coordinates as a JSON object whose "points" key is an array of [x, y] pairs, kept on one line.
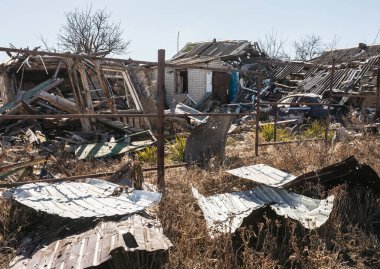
{"points": [[184, 109], [349, 171]]}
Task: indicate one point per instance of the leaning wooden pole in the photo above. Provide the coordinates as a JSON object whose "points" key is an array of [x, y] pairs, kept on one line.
{"points": [[160, 122]]}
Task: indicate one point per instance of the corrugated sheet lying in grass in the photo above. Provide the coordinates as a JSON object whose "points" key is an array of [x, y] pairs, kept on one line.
{"points": [[94, 247], [226, 212], [93, 198]]}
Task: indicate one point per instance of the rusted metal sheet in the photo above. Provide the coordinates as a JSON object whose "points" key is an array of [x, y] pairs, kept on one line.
{"points": [[95, 247], [264, 174], [98, 150], [207, 140], [349, 171], [93, 198], [225, 212]]}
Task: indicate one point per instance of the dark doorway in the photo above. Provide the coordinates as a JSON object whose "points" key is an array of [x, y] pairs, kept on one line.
{"points": [[220, 83]]}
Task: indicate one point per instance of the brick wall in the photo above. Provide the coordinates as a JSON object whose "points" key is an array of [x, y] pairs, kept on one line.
{"points": [[197, 84], [169, 85]]}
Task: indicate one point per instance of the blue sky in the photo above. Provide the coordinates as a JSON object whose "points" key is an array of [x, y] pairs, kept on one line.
{"points": [[151, 25]]}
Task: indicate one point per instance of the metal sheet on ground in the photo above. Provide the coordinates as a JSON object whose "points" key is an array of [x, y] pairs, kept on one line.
{"points": [[93, 198], [264, 174], [225, 212], [92, 248]]}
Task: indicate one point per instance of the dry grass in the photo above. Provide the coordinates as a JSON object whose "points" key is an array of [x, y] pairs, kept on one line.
{"points": [[350, 239]]}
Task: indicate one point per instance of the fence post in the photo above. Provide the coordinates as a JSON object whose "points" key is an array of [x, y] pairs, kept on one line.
{"points": [[160, 121], [378, 90], [330, 101], [258, 86], [275, 123]]}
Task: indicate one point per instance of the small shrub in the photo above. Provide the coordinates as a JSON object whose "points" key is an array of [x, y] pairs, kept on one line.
{"points": [[317, 130], [147, 155], [177, 149], [267, 131]]}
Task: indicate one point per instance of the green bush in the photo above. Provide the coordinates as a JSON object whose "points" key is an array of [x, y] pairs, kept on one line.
{"points": [[147, 155], [317, 130], [177, 149], [267, 131]]}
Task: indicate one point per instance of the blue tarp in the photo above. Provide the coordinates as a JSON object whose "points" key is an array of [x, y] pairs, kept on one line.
{"points": [[233, 87]]}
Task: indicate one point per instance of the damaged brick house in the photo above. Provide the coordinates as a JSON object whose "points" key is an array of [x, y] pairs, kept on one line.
{"points": [[197, 84]]}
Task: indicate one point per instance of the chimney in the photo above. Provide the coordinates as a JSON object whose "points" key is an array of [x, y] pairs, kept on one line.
{"points": [[214, 40], [363, 46]]}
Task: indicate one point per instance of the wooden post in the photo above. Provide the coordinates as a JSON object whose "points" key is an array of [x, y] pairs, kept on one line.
{"points": [[258, 86], [7, 89], [104, 87], [378, 90], [275, 123], [330, 101], [160, 121], [86, 87]]}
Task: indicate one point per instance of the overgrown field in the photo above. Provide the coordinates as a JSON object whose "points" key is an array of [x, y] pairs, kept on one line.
{"points": [[349, 239]]}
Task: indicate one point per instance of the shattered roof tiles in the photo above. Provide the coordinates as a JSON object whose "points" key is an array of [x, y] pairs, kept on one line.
{"points": [[264, 174], [348, 54], [93, 198], [93, 247], [226, 212]]}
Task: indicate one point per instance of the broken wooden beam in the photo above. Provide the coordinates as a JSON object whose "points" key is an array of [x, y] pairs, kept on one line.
{"points": [[104, 87], [86, 123]]}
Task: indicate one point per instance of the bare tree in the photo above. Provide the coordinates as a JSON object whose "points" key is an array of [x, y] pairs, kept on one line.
{"points": [[332, 44], [273, 46], [89, 32], [309, 47]]}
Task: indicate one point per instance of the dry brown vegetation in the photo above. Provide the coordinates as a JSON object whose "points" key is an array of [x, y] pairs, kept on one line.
{"points": [[350, 238]]}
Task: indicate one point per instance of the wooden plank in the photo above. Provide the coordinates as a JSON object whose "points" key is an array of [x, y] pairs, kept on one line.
{"points": [[23, 164], [104, 87], [86, 88], [59, 102], [28, 98], [86, 123], [132, 91], [7, 90]]}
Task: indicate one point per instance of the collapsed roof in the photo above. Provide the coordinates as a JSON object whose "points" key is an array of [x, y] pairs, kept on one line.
{"points": [[203, 52]]}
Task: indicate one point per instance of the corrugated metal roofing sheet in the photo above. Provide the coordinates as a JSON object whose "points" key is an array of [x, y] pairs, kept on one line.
{"points": [[181, 109], [93, 247], [219, 48], [226, 212], [93, 198], [264, 174]]}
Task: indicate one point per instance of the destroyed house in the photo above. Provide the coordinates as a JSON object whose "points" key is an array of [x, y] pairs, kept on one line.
{"points": [[355, 75], [54, 85], [195, 83]]}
